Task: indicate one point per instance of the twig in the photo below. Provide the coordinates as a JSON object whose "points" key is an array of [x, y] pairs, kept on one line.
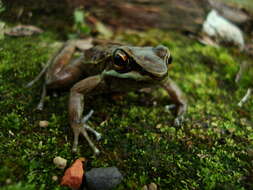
{"points": [[245, 98], [243, 67]]}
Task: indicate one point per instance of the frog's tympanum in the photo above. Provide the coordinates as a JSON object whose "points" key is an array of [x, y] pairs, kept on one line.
{"points": [[109, 68]]}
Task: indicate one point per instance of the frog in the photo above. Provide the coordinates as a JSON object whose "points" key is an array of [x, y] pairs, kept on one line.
{"points": [[108, 68]]}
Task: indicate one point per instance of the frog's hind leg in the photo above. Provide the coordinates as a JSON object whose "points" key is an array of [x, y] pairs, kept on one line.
{"points": [[42, 72], [61, 71], [42, 99]]}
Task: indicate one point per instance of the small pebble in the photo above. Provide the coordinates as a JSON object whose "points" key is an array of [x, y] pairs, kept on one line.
{"points": [[158, 126], [55, 178], [43, 123], [8, 181], [60, 162], [11, 133], [152, 186]]}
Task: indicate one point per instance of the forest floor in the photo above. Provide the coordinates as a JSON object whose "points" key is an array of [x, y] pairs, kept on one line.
{"points": [[213, 149]]}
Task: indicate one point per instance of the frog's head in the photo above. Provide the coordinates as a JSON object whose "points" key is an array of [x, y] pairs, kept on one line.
{"points": [[151, 61]]}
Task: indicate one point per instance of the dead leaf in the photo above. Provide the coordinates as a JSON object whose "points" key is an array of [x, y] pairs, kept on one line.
{"points": [[103, 30], [83, 44], [205, 40], [23, 30], [73, 176]]}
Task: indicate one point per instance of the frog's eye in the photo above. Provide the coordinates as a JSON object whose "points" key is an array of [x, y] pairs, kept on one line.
{"points": [[120, 59], [168, 59]]}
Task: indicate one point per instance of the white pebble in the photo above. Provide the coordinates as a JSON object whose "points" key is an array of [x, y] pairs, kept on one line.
{"points": [[60, 162], [8, 181], [43, 123], [55, 178], [218, 27]]}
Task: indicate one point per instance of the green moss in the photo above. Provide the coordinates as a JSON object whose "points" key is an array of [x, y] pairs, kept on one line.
{"points": [[210, 151]]}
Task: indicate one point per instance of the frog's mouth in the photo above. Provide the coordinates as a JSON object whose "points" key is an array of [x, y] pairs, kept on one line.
{"points": [[144, 61], [135, 69], [153, 75]]}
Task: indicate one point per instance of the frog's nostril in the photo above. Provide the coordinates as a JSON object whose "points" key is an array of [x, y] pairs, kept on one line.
{"points": [[169, 60]]}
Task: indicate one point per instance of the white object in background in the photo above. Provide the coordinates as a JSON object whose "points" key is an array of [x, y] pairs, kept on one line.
{"points": [[221, 29]]}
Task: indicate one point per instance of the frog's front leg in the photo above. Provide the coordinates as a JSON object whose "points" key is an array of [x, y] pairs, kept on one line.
{"points": [[76, 104], [177, 97]]}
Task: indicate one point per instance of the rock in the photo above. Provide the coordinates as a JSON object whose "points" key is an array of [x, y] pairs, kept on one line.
{"points": [[73, 176], [222, 30], [43, 123], [103, 178], [60, 162]]}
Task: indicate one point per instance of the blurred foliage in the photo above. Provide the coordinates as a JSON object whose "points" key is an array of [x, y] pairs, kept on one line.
{"points": [[80, 26], [2, 8], [211, 150]]}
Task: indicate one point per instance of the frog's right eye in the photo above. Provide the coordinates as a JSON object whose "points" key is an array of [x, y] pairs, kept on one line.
{"points": [[120, 59]]}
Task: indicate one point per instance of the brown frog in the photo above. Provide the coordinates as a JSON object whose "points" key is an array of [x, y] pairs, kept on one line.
{"points": [[104, 69]]}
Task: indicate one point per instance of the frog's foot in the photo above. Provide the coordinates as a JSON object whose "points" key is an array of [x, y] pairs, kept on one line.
{"points": [[40, 106], [180, 112], [179, 120], [42, 99], [169, 107], [80, 129]]}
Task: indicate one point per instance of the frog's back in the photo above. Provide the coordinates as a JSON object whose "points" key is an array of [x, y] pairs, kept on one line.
{"points": [[96, 59]]}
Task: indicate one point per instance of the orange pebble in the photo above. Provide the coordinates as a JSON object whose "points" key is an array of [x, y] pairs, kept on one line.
{"points": [[73, 176]]}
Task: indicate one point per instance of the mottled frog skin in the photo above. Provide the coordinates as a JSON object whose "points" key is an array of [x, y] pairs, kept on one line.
{"points": [[109, 68]]}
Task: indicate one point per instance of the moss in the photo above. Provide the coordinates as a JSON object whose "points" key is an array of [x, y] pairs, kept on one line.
{"points": [[210, 151]]}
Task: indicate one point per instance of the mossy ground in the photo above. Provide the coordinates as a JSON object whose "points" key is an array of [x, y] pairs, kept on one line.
{"points": [[211, 150]]}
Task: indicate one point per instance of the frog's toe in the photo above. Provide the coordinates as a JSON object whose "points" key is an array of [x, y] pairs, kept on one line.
{"points": [[169, 107], [81, 129], [97, 134], [179, 121], [96, 151], [40, 106]]}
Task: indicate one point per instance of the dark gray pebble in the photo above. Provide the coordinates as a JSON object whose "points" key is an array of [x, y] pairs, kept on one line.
{"points": [[102, 178]]}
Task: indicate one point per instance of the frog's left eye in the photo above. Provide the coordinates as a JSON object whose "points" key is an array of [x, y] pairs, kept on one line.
{"points": [[120, 59]]}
